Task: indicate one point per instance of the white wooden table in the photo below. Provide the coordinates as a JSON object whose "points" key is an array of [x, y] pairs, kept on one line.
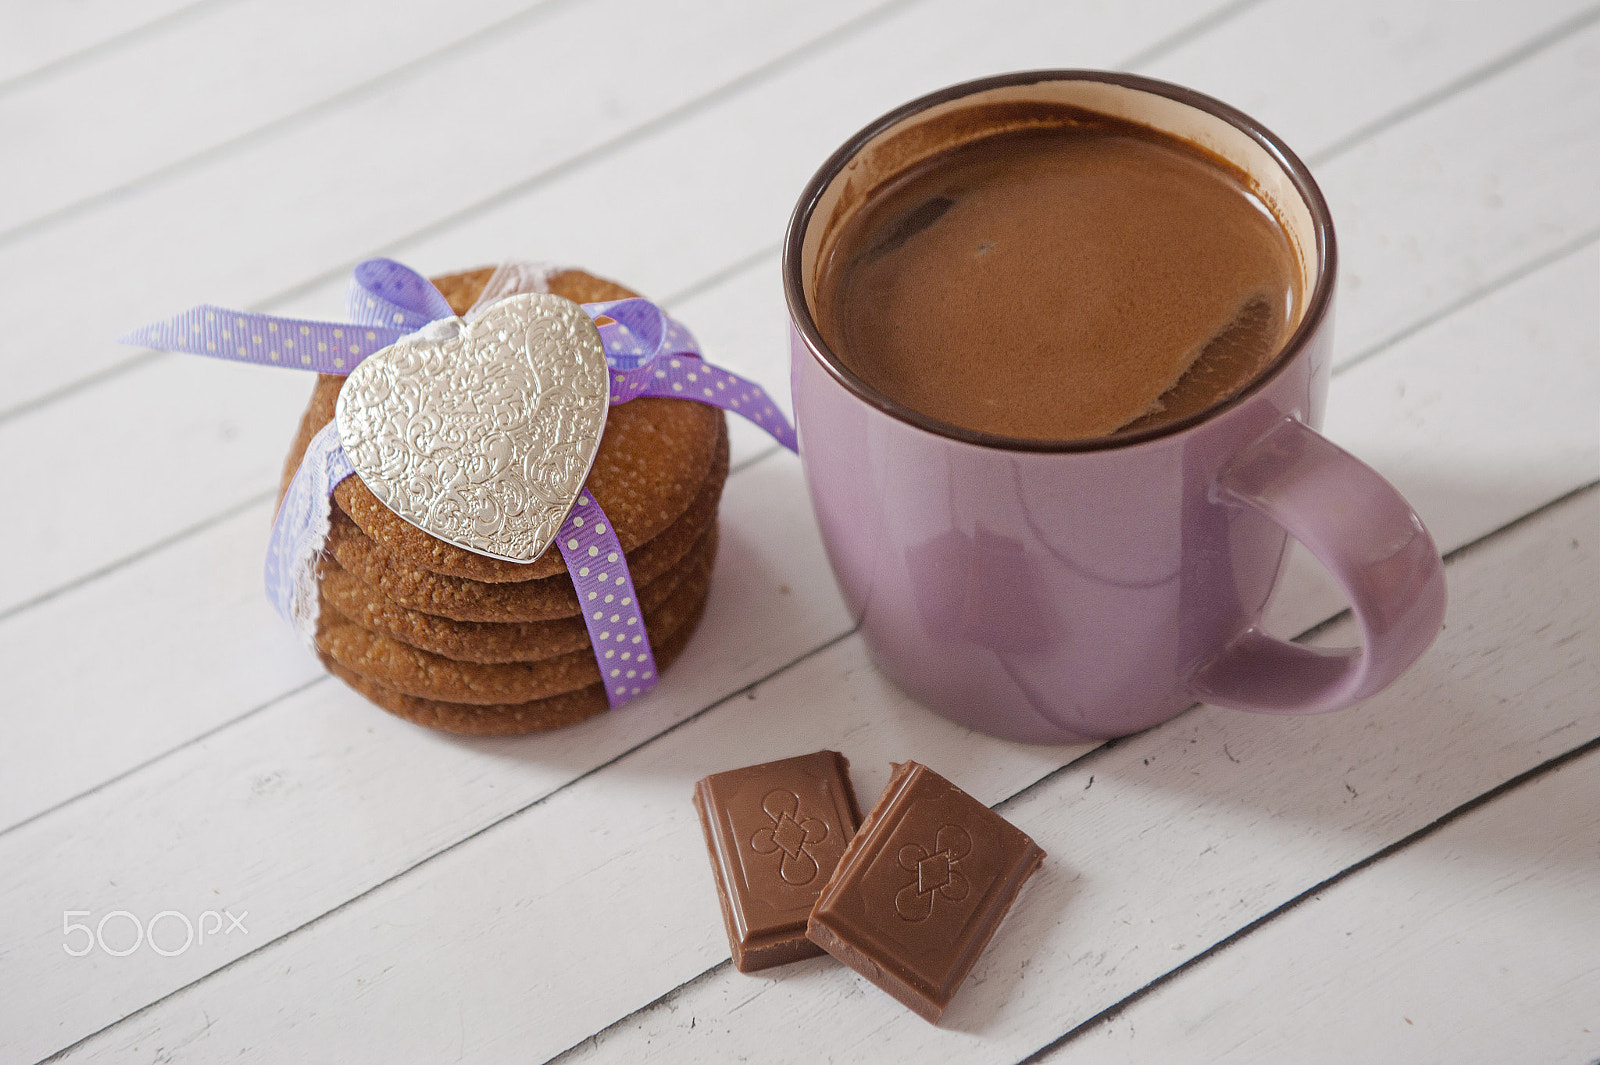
{"points": [[1413, 880]]}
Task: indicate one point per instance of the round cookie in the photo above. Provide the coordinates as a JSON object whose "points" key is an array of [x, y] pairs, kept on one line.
{"points": [[539, 715], [462, 599], [412, 671], [653, 458], [490, 642], [461, 291]]}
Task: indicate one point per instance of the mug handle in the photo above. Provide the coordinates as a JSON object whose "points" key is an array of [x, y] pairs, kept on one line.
{"points": [[1372, 542]]}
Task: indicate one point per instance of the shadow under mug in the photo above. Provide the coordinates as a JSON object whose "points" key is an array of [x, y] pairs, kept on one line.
{"points": [[1059, 591]]}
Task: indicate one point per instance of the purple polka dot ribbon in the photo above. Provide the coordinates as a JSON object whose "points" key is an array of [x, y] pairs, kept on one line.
{"points": [[648, 353], [610, 604], [652, 355], [325, 347]]}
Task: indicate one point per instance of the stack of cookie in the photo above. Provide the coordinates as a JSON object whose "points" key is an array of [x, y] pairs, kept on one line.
{"points": [[462, 642]]}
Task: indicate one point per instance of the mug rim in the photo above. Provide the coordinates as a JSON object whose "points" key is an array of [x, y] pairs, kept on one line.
{"points": [[1299, 174]]}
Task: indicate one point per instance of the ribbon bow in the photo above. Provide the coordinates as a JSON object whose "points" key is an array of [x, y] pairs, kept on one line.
{"points": [[647, 353]]}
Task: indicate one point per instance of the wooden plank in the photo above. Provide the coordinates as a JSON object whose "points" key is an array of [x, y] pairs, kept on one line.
{"points": [[812, 568], [661, 233], [196, 433], [1394, 427], [190, 441], [1476, 205], [80, 971], [741, 322], [41, 36], [1160, 846], [320, 796], [225, 73], [657, 234], [835, 700], [1487, 934], [1168, 842], [334, 187], [1298, 79], [1520, 430], [769, 138], [108, 675], [58, 772]]}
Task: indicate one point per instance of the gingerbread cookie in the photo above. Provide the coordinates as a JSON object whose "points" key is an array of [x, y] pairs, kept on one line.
{"points": [[537, 600], [411, 671], [653, 458], [492, 642], [539, 715], [466, 643]]}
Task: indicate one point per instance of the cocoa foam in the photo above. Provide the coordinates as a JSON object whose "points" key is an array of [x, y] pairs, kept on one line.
{"points": [[1060, 282]]}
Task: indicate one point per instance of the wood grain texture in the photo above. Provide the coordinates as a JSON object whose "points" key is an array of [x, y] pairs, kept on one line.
{"points": [[593, 216], [1486, 414], [1464, 452], [1160, 846], [40, 37], [410, 895], [232, 420], [1166, 843], [1476, 207], [345, 182], [1486, 930], [320, 796], [230, 72]]}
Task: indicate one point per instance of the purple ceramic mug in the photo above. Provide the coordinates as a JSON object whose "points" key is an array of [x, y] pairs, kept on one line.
{"points": [[1057, 591]]}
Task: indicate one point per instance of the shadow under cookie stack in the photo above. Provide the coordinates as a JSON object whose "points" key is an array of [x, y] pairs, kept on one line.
{"points": [[462, 642]]}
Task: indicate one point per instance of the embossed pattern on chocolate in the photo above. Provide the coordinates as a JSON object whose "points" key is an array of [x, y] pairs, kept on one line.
{"points": [[482, 433], [776, 832], [925, 883]]}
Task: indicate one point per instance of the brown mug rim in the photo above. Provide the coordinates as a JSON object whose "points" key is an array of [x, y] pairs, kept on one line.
{"points": [[1299, 174]]}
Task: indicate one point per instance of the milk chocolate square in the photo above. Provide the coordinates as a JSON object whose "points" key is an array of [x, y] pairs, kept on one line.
{"points": [[922, 888], [776, 832]]}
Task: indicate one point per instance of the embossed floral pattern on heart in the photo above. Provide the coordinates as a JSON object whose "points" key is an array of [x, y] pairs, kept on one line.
{"points": [[482, 433], [936, 873]]}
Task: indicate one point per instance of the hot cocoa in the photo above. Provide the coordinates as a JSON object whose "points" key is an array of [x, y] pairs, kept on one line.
{"points": [[1063, 282]]}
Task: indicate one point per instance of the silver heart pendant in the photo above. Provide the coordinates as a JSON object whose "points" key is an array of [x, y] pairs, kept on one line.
{"points": [[482, 433]]}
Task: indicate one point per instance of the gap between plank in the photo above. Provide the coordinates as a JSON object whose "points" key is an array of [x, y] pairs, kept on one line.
{"points": [[353, 93], [153, 759], [750, 262], [1527, 776], [672, 117], [727, 963], [1090, 756], [692, 107], [693, 289], [1198, 28], [1470, 79], [144, 552], [110, 44], [593, 1040], [274, 700], [698, 287], [1533, 266], [682, 112], [1156, 51], [1329, 622], [474, 834], [1505, 62], [711, 281]]}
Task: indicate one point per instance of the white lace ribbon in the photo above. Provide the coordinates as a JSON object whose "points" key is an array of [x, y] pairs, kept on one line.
{"points": [[301, 531]]}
